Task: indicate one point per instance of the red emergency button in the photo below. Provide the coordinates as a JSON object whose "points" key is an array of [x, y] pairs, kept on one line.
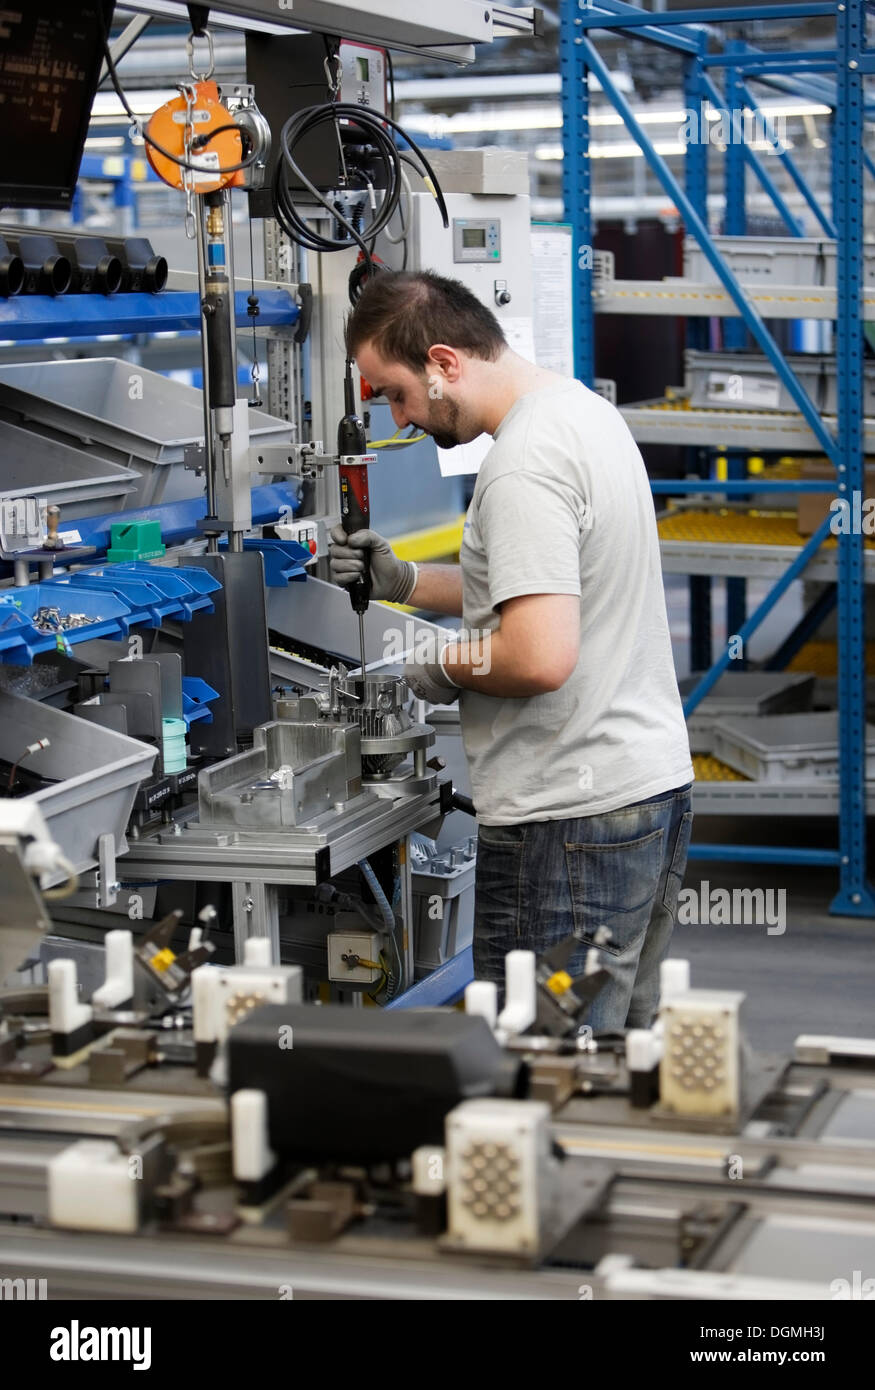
{"points": [[311, 546]]}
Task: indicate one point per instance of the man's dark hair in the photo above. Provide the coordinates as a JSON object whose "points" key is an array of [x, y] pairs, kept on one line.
{"points": [[404, 313]]}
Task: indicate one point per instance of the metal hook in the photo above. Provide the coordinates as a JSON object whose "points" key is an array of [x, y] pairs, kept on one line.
{"points": [[332, 80], [189, 48]]}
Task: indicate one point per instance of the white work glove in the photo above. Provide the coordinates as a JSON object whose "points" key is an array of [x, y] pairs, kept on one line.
{"points": [[392, 580], [427, 678]]}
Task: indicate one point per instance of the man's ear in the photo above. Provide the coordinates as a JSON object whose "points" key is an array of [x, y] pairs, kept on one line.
{"points": [[445, 361]]}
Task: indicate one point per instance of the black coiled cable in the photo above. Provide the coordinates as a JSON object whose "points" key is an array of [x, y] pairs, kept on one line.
{"points": [[374, 124]]}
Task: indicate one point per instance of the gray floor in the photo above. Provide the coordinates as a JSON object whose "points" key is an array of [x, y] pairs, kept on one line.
{"points": [[818, 976]]}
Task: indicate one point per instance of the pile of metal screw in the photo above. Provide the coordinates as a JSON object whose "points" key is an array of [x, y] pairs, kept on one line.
{"points": [[53, 620]]}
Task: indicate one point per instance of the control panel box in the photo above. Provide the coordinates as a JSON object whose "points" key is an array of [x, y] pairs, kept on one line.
{"points": [[305, 533], [487, 246], [476, 239]]}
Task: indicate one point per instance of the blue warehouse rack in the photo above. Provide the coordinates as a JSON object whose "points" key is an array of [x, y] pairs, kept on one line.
{"points": [[835, 77]]}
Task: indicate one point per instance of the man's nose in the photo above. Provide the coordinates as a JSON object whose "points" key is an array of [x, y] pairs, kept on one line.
{"points": [[399, 416]]}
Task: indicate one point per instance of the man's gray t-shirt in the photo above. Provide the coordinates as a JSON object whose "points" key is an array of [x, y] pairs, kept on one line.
{"points": [[562, 505]]}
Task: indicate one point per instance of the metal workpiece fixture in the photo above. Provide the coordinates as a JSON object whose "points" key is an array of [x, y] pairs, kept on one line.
{"points": [[296, 773], [389, 735]]}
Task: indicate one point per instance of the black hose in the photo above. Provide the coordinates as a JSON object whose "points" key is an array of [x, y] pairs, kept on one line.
{"points": [[373, 124]]}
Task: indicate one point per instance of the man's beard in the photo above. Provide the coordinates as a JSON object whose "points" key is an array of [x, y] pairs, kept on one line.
{"points": [[446, 436]]}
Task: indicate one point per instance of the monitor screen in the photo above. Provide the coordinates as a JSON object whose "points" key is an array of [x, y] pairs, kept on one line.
{"points": [[474, 236], [50, 57]]}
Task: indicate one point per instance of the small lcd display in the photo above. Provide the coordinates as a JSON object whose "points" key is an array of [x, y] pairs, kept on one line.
{"points": [[474, 236], [363, 68]]}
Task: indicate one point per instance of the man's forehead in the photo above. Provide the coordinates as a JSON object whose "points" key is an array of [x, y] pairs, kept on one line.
{"points": [[381, 372]]}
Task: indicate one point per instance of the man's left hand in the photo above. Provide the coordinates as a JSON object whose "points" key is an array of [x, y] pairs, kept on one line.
{"points": [[429, 681]]}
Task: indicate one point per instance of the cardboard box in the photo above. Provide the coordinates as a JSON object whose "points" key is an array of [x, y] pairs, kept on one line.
{"points": [[812, 507]]}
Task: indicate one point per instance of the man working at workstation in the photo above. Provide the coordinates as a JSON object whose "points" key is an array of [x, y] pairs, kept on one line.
{"points": [[569, 706]]}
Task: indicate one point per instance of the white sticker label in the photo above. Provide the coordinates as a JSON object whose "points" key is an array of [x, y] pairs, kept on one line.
{"points": [[759, 392], [70, 537], [206, 167]]}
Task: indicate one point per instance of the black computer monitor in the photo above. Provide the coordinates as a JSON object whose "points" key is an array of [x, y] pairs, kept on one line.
{"points": [[50, 57]]}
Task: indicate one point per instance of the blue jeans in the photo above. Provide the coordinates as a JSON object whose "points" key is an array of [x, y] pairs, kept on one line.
{"points": [[542, 881]]}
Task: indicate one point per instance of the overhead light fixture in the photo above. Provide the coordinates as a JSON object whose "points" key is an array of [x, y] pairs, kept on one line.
{"points": [[549, 117], [469, 122], [143, 102], [628, 149]]}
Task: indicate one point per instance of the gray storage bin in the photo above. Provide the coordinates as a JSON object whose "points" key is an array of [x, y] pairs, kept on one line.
{"points": [[100, 771], [744, 693], [774, 260], [126, 413], [34, 466], [760, 260], [440, 935], [786, 747], [748, 381]]}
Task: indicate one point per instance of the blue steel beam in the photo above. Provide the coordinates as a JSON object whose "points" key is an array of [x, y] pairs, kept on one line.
{"points": [[443, 986], [735, 216], [731, 14], [764, 854], [576, 192], [737, 487], [31, 317], [734, 332], [762, 70], [617, 12], [791, 222], [698, 227], [824, 59], [751, 157], [699, 586], [791, 573], [826, 223], [855, 896], [805, 628]]}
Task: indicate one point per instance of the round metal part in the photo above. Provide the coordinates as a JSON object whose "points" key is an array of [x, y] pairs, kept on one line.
{"points": [[417, 736]]}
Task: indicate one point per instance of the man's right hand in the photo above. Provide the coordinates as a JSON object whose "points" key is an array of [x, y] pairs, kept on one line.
{"points": [[392, 580]]}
